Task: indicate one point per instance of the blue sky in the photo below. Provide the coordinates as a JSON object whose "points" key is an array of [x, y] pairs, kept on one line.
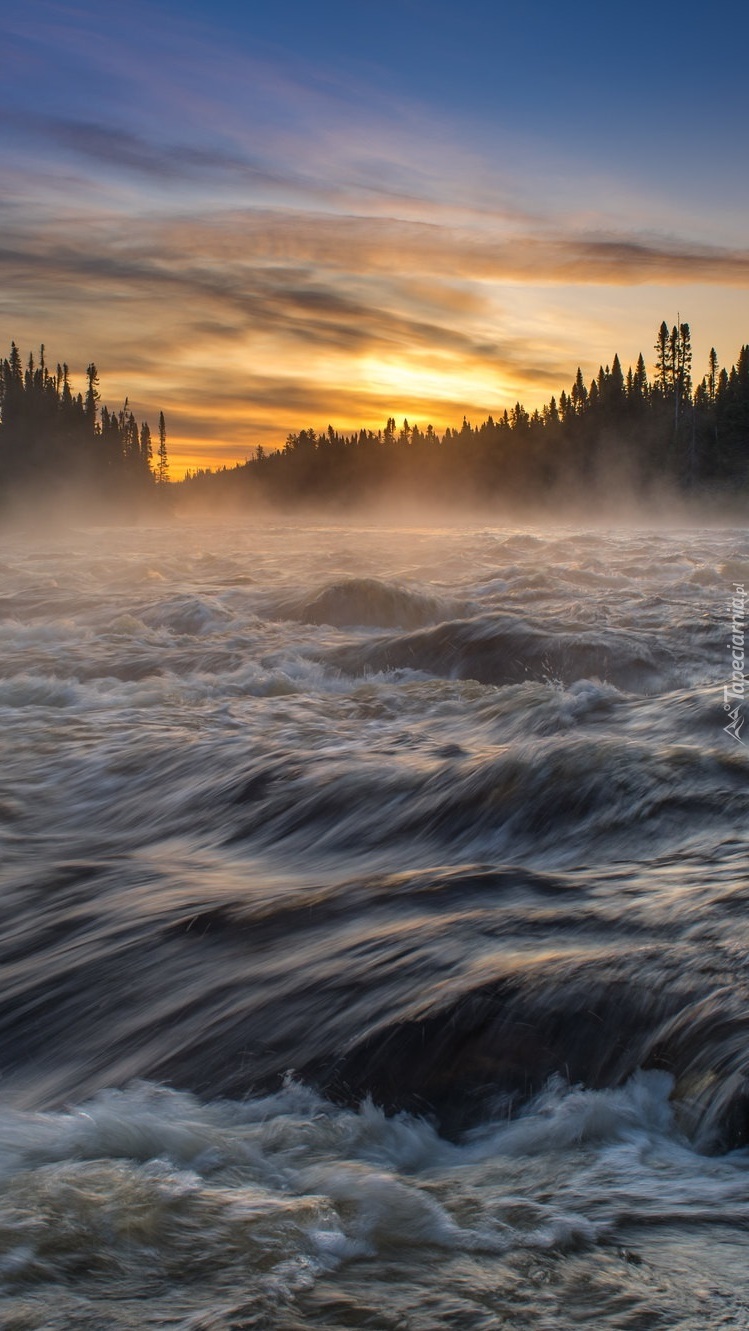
{"points": [[266, 216]]}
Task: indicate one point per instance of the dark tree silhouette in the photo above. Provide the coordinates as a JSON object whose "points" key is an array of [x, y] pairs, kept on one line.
{"points": [[619, 429], [162, 474], [54, 441]]}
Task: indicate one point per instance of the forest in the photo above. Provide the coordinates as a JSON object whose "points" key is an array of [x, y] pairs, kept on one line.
{"points": [[621, 433], [55, 442]]}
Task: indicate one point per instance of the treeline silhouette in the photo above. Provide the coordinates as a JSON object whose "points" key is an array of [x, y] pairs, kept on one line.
{"points": [[53, 440], [622, 431]]}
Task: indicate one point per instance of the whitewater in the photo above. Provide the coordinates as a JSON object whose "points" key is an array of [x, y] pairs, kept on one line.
{"points": [[374, 939]]}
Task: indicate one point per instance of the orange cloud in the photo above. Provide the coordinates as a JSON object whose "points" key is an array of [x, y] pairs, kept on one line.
{"points": [[246, 323]]}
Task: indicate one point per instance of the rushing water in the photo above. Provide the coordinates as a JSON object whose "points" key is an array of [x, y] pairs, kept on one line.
{"points": [[374, 931]]}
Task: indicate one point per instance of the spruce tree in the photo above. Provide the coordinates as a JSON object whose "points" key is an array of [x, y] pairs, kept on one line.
{"points": [[162, 472]]}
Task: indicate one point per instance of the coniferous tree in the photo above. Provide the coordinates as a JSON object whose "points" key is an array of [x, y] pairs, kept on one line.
{"points": [[146, 446], [712, 376], [54, 441], [615, 426], [162, 474], [662, 363], [92, 397]]}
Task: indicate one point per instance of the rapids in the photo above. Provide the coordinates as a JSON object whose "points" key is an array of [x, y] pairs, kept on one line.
{"points": [[374, 932]]}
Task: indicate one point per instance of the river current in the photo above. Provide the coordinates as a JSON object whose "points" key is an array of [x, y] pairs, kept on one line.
{"points": [[375, 925]]}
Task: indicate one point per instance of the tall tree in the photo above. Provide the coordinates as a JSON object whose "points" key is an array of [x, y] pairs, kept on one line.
{"points": [[712, 376], [91, 405], [146, 446], [681, 352], [662, 360], [162, 470]]}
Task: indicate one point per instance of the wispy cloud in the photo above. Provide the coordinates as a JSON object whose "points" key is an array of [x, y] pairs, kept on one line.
{"points": [[324, 296], [258, 244], [120, 149]]}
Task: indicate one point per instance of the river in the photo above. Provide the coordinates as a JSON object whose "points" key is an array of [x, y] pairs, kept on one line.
{"points": [[375, 914]]}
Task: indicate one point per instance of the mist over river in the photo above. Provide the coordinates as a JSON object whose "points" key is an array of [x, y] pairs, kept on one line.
{"points": [[375, 925]]}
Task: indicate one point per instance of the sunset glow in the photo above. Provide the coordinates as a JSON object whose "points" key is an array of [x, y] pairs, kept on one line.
{"points": [[260, 229]]}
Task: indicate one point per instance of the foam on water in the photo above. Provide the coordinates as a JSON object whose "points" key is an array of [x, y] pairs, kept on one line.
{"points": [[445, 821], [148, 1185]]}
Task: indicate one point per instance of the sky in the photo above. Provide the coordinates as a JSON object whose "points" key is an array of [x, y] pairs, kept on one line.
{"points": [[264, 217]]}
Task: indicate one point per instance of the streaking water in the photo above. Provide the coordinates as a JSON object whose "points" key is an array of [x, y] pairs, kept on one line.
{"points": [[374, 931]]}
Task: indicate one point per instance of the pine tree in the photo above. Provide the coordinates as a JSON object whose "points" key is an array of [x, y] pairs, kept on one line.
{"points": [[616, 383], [682, 341], [92, 397], [662, 359], [579, 394], [712, 377], [146, 446], [640, 380], [162, 472]]}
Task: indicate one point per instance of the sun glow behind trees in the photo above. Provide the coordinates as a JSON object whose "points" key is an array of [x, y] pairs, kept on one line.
{"points": [[636, 430], [620, 438], [435, 383], [255, 232]]}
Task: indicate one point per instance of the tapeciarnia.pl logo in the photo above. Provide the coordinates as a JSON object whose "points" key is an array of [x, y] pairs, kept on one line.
{"points": [[733, 693]]}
